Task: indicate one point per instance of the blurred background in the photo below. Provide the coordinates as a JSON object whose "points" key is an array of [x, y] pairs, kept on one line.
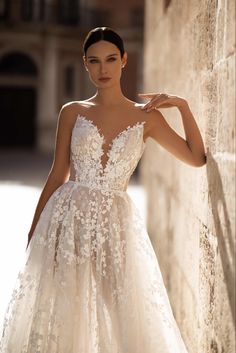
{"points": [[186, 48], [41, 64]]}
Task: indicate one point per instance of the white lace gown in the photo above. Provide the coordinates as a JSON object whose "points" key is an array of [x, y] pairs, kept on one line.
{"points": [[90, 282]]}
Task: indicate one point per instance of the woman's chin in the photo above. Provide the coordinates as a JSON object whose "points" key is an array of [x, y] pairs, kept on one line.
{"points": [[107, 84]]}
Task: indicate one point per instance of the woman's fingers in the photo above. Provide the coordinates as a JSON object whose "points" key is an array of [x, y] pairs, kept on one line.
{"points": [[160, 100], [151, 101], [156, 102], [151, 95], [148, 95]]}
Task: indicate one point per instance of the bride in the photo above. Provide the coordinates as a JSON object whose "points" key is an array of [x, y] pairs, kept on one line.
{"points": [[91, 282]]}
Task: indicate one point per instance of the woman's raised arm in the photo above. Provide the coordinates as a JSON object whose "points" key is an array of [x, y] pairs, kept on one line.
{"points": [[191, 150]]}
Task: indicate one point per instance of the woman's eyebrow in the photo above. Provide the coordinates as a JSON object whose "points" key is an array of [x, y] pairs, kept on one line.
{"points": [[95, 57]]}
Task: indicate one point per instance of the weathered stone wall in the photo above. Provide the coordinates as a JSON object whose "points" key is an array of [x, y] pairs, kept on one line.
{"points": [[190, 52]]}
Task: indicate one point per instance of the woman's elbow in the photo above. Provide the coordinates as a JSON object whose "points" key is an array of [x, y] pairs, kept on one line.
{"points": [[57, 177], [199, 162]]}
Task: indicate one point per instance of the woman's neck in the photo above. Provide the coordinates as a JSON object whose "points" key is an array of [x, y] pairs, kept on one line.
{"points": [[109, 97]]}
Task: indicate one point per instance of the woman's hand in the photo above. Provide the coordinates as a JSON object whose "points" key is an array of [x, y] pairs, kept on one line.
{"points": [[161, 100], [191, 149]]}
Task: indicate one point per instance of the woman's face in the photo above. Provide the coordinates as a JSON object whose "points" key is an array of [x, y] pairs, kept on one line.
{"points": [[103, 61]]}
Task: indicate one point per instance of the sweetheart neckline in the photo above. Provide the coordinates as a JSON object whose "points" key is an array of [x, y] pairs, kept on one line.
{"points": [[129, 127], [111, 144]]}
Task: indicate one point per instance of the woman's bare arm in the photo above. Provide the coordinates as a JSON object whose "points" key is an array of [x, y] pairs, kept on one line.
{"points": [[191, 150], [61, 163]]}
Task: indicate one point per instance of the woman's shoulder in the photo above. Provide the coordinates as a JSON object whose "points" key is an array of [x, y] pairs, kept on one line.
{"points": [[70, 111], [68, 114], [143, 115], [76, 106]]}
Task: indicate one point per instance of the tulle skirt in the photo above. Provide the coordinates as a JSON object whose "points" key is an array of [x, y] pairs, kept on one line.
{"points": [[90, 281]]}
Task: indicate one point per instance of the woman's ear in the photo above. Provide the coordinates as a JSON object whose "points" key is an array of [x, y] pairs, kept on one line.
{"points": [[124, 59], [85, 63]]}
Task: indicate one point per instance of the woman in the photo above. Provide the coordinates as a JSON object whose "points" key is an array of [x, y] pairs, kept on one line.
{"points": [[91, 282]]}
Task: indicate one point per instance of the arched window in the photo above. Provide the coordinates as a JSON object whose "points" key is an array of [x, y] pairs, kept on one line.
{"points": [[18, 100], [17, 63]]}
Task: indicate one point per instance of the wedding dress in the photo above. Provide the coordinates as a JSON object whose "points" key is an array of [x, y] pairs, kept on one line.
{"points": [[91, 282]]}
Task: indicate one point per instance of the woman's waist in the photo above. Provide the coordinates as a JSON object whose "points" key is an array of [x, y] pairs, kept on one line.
{"points": [[99, 185]]}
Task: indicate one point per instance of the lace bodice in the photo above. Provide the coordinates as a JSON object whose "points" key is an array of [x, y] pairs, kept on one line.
{"points": [[87, 151]]}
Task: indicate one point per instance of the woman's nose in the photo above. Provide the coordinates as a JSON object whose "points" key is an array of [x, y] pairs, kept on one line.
{"points": [[103, 68]]}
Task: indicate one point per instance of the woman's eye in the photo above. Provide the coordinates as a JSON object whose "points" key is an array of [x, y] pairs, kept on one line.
{"points": [[93, 61]]}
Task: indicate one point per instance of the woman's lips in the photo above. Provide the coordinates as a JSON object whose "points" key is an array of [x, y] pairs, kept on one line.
{"points": [[104, 79]]}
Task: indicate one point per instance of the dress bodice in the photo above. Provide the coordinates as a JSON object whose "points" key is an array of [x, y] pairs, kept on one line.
{"points": [[87, 151]]}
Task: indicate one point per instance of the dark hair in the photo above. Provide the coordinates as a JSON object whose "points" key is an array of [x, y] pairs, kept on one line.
{"points": [[103, 33]]}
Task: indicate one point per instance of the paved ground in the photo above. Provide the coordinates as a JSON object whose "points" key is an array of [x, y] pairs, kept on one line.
{"points": [[22, 176], [24, 167]]}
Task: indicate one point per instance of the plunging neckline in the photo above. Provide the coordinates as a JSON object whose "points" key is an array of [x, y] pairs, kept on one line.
{"points": [[114, 139]]}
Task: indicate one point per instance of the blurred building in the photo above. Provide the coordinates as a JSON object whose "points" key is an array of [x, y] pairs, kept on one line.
{"points": [[41, 64]]}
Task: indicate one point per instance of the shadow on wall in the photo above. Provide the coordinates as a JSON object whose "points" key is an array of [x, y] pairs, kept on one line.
{"points": [[223, 227]]}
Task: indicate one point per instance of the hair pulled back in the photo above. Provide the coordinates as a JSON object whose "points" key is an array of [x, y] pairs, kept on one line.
{"points": [[103, 33]]}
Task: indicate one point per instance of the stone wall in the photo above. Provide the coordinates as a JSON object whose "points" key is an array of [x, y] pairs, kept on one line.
{"points": [[190, 51]]}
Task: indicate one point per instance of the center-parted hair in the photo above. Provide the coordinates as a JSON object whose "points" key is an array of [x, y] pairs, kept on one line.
{"points": [[103, 33]]}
